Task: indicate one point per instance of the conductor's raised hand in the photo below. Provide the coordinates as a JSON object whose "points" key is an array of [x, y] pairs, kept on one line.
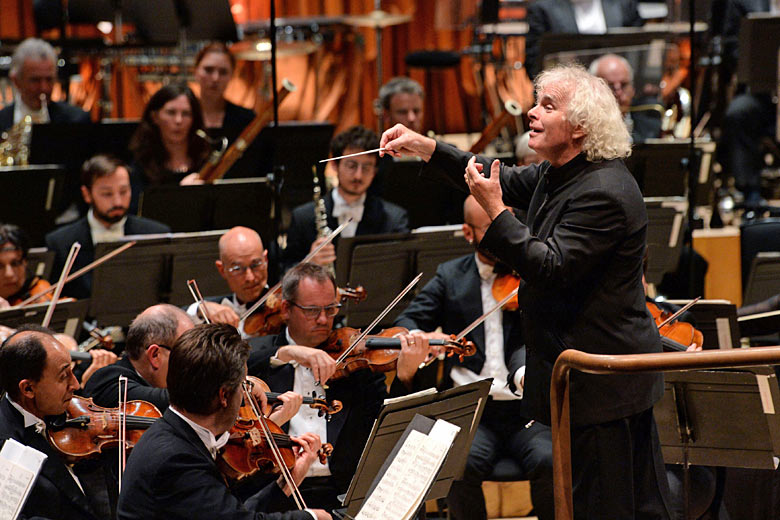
{"points": [[487, 190], [399, 141]]}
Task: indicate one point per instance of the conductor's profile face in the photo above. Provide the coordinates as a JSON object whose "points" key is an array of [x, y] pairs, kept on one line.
{"points": [[551, 133]]}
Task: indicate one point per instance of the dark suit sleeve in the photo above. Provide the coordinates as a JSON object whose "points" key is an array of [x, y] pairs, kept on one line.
{"points": [[580, 242], [298, 243], [103, 389], [400, 220], [631, 15], [516, 361]]}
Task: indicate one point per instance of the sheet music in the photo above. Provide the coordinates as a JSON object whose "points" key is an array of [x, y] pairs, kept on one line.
{"points": [[19, 465], [406, 482]]}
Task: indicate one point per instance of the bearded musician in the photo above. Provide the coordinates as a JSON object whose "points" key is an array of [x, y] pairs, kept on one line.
{"points": [[458, 294], [295, 360]]}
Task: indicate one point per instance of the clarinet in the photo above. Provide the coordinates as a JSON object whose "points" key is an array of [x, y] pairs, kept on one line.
{"points": [[320, 215]]}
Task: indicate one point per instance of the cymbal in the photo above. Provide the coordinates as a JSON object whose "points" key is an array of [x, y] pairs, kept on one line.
{"points": [[260, 50], [377, 19]]}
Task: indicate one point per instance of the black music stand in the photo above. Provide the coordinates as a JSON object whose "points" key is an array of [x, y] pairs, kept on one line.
{"points": [[67, 316], [461, 406], [427, 200], [40, 262], [666, 217], [293, 148], [759, 39], [112, 136], [720, 418], [31, 197], [222, 205], [154, 270], [385, 264]]}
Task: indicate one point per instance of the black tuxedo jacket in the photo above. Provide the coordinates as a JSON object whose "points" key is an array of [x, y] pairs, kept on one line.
{"points": [[61, 239], [171, 475], [362, 394], [557, 16], [102, 387], [580, 257], [59, 112], [379, 216], [55, 493], [452, 300]]}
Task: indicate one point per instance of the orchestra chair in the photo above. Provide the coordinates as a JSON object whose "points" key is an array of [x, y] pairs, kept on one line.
{"points": [[756, 236]]}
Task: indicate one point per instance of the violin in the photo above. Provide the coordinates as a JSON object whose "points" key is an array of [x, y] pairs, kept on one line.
{"points": [[678, 331], [380, 352], [248, 449], [502, 286], [87, 428], [37, 287], [268, 320]]}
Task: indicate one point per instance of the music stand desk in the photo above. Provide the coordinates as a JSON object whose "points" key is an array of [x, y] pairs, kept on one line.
{"points": [[461, 406], [67, 316], [720, 418]]}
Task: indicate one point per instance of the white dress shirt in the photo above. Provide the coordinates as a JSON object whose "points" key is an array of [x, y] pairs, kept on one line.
{"points": [[307, 419], [494, 366], [343, 211], [589, 15], [101, 233]]}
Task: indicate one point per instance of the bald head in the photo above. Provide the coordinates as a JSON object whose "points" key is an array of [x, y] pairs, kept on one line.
{"points": [[243, 262], [619, 76], [157, 325]]}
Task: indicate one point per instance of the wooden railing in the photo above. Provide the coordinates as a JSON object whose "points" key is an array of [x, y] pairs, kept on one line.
{"points": [[624, 364]]}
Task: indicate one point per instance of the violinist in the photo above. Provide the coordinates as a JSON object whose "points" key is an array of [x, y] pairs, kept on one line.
{"points": [[172, 471], [459, 293], [350, 199], [36, 374], [243, 264], [105, 187], [15, 285], [150, 338], [293, 360], [579, 253]]}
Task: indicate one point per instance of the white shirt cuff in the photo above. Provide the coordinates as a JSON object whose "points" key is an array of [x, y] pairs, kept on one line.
{"points": [[519, 373], [311, 512]]}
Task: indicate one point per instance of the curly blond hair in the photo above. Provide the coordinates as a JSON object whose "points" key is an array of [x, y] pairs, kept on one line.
{"points": [[590, 105]]}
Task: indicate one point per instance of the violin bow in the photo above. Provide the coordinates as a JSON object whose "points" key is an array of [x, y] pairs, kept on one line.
{"points": [[285, 472], [476, 323], [74, 250], [192, 285], [122, 409], [682, 309], [374, 323], [82, 271], [308, 257]]}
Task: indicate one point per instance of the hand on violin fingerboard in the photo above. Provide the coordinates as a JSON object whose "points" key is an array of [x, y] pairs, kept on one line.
{"points": [[321, 364], [435, 350], [414, 351], [291, 403], [309, 445]]}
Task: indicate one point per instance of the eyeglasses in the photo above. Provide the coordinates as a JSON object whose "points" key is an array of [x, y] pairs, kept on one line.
{"points": [[313, 311], [352, 166], [239, 270]]}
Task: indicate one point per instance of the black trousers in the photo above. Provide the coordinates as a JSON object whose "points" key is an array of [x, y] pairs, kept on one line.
{"points": [[618, 471], [502, 433]]}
